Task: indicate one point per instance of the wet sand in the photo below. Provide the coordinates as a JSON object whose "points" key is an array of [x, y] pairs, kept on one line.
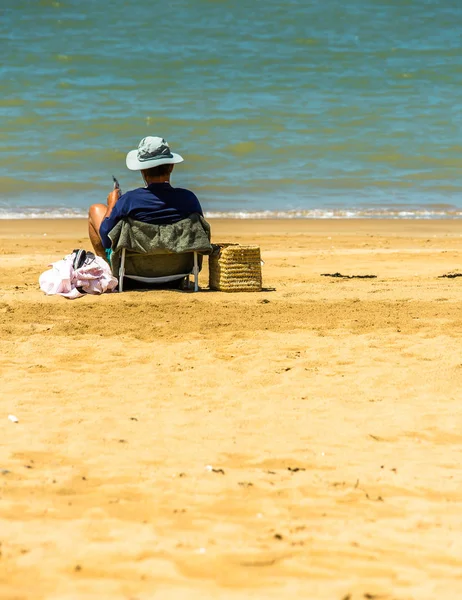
{"points": [[302, 442]]}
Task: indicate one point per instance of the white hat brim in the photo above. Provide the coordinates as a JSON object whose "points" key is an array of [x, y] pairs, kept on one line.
{"points": [[135, 165]]}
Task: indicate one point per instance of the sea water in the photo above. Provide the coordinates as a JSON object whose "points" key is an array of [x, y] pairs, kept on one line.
{"points": [[295, 108]]}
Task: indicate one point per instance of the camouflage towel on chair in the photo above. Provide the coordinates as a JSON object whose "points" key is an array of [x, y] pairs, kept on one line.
{"points": [[188, 235]]}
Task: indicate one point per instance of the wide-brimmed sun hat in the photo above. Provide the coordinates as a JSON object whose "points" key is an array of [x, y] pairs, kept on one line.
{"points": [[151, 152]]}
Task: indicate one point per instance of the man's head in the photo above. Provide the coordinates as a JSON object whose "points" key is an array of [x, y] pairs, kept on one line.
{"points": [[152, 153], [157, 174]]}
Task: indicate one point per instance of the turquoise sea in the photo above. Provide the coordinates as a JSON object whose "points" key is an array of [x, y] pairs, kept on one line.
{"points": [[296, 108]]}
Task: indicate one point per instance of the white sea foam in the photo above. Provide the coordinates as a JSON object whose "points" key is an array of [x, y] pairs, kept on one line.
{"points": [[341, 213], [315, 213], [42, 213]]}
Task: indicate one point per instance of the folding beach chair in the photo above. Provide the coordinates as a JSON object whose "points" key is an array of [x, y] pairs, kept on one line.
{"points": [[156, 254], [158, 268]]}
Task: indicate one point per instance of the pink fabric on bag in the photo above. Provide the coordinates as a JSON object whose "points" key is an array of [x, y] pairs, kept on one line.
{"points": [[63, 280]]}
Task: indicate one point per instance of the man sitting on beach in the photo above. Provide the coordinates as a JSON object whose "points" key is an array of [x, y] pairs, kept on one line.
{"points": [[158, 203]]}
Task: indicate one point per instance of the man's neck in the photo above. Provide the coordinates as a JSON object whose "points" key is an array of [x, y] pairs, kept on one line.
{"points": [[163, 179]]}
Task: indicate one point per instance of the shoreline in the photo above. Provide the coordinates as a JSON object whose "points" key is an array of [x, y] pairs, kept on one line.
{"points": [[282, 216], [71, 226], [392, 211]]}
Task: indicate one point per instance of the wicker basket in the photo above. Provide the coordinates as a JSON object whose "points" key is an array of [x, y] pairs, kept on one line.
{"points": [[235, 268]]}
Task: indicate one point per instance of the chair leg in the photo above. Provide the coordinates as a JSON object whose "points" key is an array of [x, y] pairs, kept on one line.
{"points": [[122, 271], [196, 273]]}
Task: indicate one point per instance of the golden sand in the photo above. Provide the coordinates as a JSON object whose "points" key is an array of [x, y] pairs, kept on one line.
{"points": [[302, 442]]}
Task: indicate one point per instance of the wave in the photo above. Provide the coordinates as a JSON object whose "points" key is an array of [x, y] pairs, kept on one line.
{"points": [[377, 213], [315, 213], [42, 213]]}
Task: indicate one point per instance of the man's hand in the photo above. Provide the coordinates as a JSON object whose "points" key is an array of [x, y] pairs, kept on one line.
{"points": [[113, 197]]}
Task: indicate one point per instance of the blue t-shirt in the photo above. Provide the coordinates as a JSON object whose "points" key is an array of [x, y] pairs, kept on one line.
{"points": [[159, 203]]}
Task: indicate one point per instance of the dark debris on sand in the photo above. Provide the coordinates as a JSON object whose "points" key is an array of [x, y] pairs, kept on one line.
{"points": [[340, 276], [450, 275]]}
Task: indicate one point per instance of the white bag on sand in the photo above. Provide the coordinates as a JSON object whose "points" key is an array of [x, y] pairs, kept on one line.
{"points": [[94, 277]]}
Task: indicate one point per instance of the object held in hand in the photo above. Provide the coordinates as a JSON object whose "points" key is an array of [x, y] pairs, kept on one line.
{"points": [[116, 184]]}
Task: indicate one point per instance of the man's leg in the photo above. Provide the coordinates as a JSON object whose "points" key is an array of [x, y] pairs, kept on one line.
{"points": [[96, 215]]}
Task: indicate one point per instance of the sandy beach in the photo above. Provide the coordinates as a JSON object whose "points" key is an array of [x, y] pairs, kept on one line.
{"points": [[302, 442]]}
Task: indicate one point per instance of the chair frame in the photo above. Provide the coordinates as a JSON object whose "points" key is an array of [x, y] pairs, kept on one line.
{"points": [[167, 278]]}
